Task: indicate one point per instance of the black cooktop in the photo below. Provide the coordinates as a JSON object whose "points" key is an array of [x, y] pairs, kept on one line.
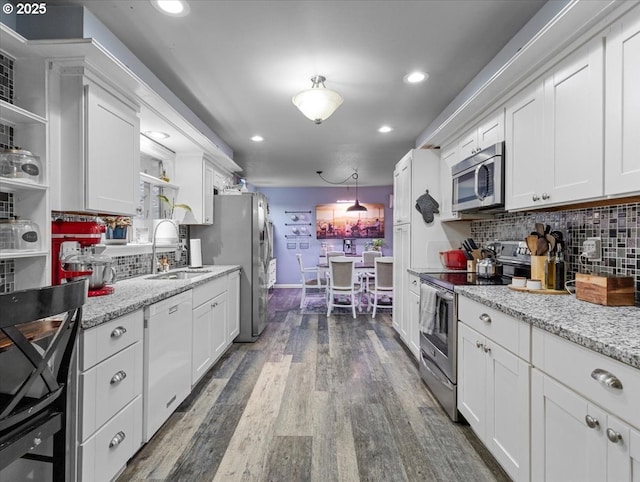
{"points": [[449, 279]]}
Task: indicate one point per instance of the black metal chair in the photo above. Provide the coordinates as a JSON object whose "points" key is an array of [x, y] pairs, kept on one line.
{"points": [[42, 324]]}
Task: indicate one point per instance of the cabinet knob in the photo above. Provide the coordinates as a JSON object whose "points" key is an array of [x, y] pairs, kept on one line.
{"points": [[591, 422], [117, 439], [609, 380], [613, 436], [479, 345], [485, 317], [535, 198], [118, 377], [487, 349], [545, 196], [118, 332], [414, 282]]}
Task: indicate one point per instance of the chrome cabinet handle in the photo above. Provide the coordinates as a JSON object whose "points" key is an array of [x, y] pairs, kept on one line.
{"points": [[591, 422], [485, 317], [118, 377], [117, 439], [173, 309], [487, 349], [545, 196], [118, 332], [613, 436], [479, 345], [535, 198], [414, 282], [607, 379]]}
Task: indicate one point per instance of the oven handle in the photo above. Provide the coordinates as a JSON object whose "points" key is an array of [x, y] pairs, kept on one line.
{"points": [[476, 178], [441, 377]]}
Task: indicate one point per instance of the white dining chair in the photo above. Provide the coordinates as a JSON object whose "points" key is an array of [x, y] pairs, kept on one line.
{"points": [[382, 285], [368, 257], [310, 278], [342, 284]]}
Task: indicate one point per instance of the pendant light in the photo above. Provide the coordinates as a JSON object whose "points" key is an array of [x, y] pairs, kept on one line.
{"points": [[318, 102], [356, 206]]}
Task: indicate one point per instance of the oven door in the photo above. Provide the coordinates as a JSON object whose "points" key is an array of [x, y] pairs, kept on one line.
{"points": [[438, 338]]}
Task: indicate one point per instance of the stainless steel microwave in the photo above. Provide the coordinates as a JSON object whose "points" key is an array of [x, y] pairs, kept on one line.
{"points": [[478, 181]]}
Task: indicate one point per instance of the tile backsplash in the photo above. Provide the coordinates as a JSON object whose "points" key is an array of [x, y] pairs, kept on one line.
{"points": [[617, 225]]}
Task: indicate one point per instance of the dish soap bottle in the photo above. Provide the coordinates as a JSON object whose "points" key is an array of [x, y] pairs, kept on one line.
{"points": [[550, 271]]}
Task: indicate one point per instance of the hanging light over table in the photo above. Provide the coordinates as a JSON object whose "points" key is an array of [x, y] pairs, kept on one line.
{"points": [[318, 102], [356, 206]]}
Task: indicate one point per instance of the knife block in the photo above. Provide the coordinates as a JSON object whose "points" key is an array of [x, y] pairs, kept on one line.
{"points": [[537, 269]]}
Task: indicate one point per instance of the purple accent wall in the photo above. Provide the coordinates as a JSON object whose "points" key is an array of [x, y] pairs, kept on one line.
{"points": [[306, 199]]}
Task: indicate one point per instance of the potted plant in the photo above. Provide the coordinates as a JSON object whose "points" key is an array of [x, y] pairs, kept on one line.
{"points": [[377, 244], [172, 205], [116, 232]]}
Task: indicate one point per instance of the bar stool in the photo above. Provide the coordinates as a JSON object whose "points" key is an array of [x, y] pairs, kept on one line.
{"points": [[41, 325]]}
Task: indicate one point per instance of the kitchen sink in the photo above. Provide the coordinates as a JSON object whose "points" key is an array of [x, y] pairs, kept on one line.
{"points": [[179, 275]]}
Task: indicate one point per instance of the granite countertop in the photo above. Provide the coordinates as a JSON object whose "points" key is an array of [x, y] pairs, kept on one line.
{"points": [[613, 331], [136, 293]]}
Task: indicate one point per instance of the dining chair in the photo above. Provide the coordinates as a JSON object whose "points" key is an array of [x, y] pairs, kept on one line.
{"points": [[38, 330], [382, 285], [368, 257], [342, 284], [316, 282]]}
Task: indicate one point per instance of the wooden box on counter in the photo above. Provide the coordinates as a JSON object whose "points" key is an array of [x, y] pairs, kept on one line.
{"points": [[605, 290]]}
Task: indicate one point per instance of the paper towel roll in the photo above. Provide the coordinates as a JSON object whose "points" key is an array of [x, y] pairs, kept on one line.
{"points": [[195, 248]]}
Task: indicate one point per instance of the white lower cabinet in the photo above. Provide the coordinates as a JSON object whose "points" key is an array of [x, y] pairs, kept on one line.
{"points": [[216, 322], [109, 405], [583, 427], [413, 315], [493, 383]]}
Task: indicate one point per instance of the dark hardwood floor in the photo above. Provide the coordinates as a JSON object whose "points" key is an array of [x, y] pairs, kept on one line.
{"points": [[314, 399]]}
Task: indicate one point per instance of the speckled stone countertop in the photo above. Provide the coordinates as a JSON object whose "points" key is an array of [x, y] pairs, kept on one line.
{"points": [[613, 331], [136, 293]]}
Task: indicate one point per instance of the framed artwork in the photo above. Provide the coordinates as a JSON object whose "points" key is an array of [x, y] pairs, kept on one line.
{"points": [[333, 221]]}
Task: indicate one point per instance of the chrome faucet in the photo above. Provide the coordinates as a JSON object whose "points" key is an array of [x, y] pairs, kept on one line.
{"points": [[154, 261]]}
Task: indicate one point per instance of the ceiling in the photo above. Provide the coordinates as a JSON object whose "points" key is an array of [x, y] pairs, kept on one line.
{"points": [[237, 64]]}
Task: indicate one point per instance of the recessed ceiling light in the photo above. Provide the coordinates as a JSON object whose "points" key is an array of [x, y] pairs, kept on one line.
{"points": [[385, 129], [257, 138], [416, 77], [156, 134], [174, 8]]}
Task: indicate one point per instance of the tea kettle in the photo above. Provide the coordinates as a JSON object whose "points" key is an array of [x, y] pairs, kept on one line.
{"points": [[488, 266]]}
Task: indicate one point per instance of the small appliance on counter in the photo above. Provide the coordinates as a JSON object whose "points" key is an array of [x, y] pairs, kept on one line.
{"points": [[75, 255]]}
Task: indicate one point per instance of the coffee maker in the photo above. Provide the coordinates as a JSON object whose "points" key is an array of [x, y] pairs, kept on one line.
{"points": [[349, 246], [73, 245]]}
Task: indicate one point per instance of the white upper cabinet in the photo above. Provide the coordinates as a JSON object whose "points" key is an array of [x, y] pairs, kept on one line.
{"points": [[402, 191], [490, 131], [195, 176], [622, 163], [99, 148], [554, 134], [448, 157]]}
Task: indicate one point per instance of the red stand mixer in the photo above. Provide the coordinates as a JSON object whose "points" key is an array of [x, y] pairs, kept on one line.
{"points": [[73, 255]]}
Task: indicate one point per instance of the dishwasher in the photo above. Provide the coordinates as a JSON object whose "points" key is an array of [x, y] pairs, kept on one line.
{"points": [[167, 359]]}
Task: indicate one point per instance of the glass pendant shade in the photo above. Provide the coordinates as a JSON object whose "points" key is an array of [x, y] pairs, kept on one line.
{"points": [[318, 102]]}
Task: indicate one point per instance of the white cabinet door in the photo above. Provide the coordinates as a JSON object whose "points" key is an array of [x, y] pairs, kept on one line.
{"points": [[413, 325], [573, 127], [491, 131], [219, 322], [622, 163], [112, 153], [563, 445], [207, 206], [472, 378], [507, 417], [402, 247], [468, 144], [402, 191], [201, 349], [448, 157], [524, 167], [233, 306]]}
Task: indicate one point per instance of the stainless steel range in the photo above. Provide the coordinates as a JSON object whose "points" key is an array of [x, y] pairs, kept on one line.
{"points": [[439, 319]]}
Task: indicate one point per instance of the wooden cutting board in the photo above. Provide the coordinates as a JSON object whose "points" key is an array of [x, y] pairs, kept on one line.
{"points": [[524, 289]]}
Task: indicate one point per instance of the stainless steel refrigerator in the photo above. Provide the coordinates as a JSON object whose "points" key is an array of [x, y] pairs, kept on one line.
{"points": [[240, 235]]}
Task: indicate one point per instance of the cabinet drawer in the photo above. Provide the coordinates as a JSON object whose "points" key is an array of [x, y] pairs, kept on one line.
{"points": [[107, 452], [573, 365], [107, 387], [209, 290], [414, 284], [103, 341], [512, 334]]}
